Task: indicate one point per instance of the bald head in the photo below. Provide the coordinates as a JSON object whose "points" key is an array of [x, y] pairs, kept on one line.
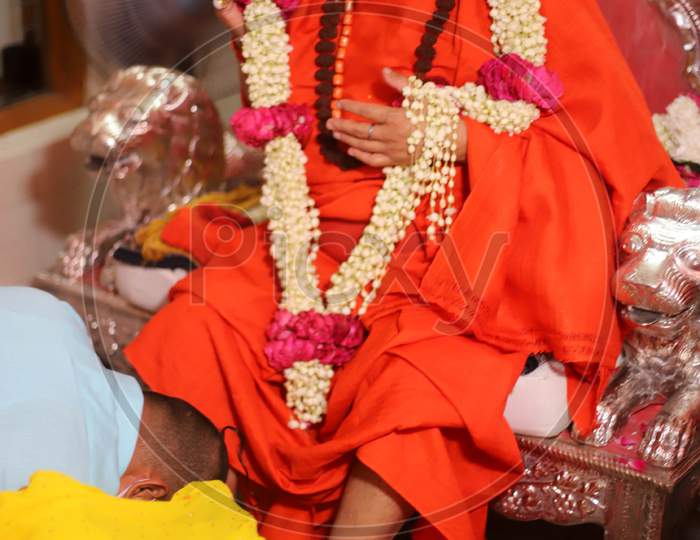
{"points": [[177, 445]]}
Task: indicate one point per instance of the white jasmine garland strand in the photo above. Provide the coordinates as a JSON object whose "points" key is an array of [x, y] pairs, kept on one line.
{"points": [[265, 47], [518, 27], [354, 285], [307, 385], [501, 116], [436, 112], [293, 224]]}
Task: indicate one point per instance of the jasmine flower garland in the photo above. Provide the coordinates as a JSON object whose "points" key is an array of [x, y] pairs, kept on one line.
{"points": [[315, 332]]}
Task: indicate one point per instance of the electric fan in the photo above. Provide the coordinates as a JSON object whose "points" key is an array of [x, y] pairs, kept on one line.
{"points": [[179, 34]]}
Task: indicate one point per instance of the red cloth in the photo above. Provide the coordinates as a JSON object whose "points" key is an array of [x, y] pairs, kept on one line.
{"points": [[653, 47], [526, 268]]}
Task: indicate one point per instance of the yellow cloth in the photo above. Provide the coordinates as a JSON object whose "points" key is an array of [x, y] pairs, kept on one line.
{"points": [[149, 237], [56, 507]]}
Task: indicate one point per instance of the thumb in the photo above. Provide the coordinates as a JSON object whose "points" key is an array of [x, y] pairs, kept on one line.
{"points": [[394, 79]]}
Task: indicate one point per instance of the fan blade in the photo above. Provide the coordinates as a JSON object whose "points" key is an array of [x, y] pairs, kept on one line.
{"points": [[120, 33]]}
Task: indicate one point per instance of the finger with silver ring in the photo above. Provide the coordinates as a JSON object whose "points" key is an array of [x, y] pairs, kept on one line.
{"points": [[370, 130], [356, 129]]}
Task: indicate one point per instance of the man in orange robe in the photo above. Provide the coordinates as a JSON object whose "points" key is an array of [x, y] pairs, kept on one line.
{"points": [[415, 421]]}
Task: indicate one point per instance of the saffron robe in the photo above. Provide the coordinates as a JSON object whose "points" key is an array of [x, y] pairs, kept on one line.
{"points": [[526, 268]]}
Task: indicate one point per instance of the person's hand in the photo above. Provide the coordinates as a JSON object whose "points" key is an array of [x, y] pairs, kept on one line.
{"points": [[382, 142], [230, 14]]}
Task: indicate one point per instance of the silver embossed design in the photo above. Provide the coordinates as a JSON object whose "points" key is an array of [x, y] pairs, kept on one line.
{"points": [[566, 495], [657, 285], [685, 15], [154, 136]]}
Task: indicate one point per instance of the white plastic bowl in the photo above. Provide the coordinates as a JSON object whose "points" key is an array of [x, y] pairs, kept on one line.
{"points": [[538, 405], [146, 288]]}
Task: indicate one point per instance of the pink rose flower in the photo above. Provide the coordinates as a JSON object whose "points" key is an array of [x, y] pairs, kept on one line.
{"points": [[281, 354], [254, 127], [494, 77], [333, 355], [299, 324], [258, 126], [331, 339], [348, 331], [279, 325], [321, 329], [513, 78]]}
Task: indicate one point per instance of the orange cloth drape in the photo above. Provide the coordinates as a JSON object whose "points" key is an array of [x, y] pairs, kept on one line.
{"points": [[526, 268]]}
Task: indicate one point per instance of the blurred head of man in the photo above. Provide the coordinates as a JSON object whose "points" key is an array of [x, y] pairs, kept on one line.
{"points": [[176, 445]]}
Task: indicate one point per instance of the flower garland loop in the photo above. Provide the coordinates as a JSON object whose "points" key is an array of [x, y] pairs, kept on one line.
{"points": [[313, 332]]}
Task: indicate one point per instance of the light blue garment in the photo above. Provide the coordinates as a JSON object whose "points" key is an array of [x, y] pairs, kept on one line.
{"points": [[59, 408]]}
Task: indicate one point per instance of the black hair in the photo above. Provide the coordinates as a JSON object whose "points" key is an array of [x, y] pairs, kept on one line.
{"points": [[182, 442]]}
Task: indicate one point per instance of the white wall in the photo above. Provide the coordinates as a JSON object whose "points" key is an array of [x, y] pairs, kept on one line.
{"points": [[44, 193], [43, 197]]}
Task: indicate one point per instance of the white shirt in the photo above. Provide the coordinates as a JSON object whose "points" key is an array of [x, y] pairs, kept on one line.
{"points": [[60, 409]]}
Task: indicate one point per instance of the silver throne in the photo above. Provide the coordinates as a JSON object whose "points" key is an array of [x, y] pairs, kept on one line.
{"points": [[638, 474]]}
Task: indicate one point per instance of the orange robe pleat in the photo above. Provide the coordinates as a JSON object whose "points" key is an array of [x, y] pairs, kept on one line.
{"points": [[526, 268]]}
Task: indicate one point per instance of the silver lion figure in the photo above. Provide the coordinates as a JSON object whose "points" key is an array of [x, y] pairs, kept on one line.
{"points": [[657, 286], [154, 135]]}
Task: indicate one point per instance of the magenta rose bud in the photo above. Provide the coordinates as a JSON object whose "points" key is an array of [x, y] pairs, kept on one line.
{"points": [[513, 78], [279, 325], [277, 355], [258, 126]]}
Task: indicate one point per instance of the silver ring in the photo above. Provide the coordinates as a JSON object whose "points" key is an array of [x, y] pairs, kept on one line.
{"points": [[221, 4], [370, 129]]}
